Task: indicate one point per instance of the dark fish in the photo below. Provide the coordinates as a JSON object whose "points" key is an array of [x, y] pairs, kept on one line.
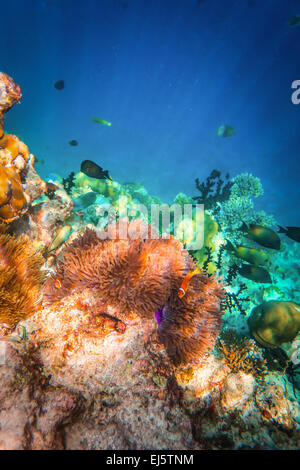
{"points": [[85, 200], [251, 255], [291, 232], [262, 235], [73, 143], [294, 21], [255, 273], [59, 85], [93, 170]]}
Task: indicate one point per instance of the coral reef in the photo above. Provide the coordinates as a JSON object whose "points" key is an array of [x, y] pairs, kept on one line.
{"points": [[20, 185], [246, 185], [242, 354], [10, 94], [139, 276], [213, 190], [13, 200], [274, 323], [20, 279]]}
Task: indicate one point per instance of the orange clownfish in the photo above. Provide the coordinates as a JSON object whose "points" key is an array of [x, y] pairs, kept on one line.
{"points": [[185, 282], [58, 283]]}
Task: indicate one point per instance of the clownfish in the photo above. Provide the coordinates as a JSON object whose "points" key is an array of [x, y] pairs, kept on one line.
{"points": [[184, 285], [58, 284]]}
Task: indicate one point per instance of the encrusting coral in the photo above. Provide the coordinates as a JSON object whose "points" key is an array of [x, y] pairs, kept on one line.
{"points": [[140, 276], [10, 93], [242, 355], [21, 279], [19, 183], [275, 322]]}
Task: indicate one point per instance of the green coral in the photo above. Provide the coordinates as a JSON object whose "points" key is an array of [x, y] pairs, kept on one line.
{"points": [[239, 207], [246, 185]]}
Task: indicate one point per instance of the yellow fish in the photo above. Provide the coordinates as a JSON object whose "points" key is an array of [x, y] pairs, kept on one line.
{"points": [[251, 255], [61, 236]]}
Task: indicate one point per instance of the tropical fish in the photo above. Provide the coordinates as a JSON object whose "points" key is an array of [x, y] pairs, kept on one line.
{"points": [[252, 255], [184, 285], [255, 273], [61, 236], [226, 131], [58, 283], [93, 170], [294, 21], [291, 232], [159, 316], [73, 143], [101, 121], [54, 177], [59, 85], [262, 235], [85, 200]]}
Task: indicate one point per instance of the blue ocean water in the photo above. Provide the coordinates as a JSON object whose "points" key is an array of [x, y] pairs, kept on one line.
{"points": [[166, 74]]}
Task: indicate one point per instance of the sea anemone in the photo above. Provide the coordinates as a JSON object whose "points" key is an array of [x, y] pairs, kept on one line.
{"points": [[138, 275], [21, 279]]}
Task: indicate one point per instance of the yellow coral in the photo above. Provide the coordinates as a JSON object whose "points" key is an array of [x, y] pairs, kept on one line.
{"points": [[186, 231]]}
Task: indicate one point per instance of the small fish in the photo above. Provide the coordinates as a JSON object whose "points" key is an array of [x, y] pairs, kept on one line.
{"points": [[159, 316], [39, 162], [84, 200], [61, 236], [73, 143], [291, 232], [52, 177], [93, 170], [255, 273], [226, 131], [262, 235], [294, 21], [58, 284], [59, 85], [251, 255], [101, 121], [184, 285]]}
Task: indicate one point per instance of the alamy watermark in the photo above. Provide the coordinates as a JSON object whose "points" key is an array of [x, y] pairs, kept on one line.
{"points": [[184, 222], [296, 94]]}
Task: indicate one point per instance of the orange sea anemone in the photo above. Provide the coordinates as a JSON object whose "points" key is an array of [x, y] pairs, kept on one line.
{"points": [[20, 279], [139, 276]]}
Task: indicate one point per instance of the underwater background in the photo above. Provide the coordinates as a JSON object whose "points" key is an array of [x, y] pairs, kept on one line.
{"points": [[166, 74]]}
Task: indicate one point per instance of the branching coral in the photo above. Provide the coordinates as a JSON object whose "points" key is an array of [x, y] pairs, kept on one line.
{"points": [[239, 207], [246, 185], [140, 276], [213, 190], [242, 354], [21, 279]]}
